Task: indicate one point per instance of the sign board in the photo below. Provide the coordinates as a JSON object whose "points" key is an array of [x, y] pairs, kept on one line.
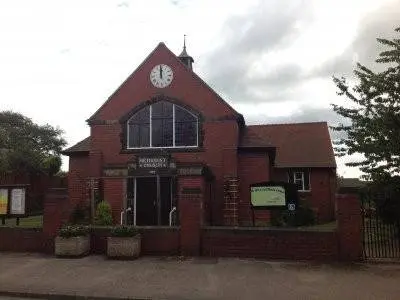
{"points": [[3, 201], [268, 196], [153, 162], [17, 202], [273, 195]]}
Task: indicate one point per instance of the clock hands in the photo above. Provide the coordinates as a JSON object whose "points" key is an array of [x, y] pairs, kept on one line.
{"points": [[161, 71]]}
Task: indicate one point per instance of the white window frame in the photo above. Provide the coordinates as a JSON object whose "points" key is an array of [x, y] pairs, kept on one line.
{"points": [[173, 131], [296, 179]]}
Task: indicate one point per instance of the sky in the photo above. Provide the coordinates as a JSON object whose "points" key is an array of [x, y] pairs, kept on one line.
{"points": [[272, 60]]}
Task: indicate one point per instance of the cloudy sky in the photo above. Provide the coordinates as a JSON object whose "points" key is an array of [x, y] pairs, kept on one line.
{"points": [[272, 60]]}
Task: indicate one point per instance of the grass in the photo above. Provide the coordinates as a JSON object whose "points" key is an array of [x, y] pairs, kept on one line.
{"points": [[25, 222]]}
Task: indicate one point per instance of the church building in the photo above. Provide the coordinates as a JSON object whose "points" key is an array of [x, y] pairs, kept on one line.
{"points": [[165, 134]]}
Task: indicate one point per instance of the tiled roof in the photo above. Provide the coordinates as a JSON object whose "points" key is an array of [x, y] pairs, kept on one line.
{"points": [[297, 144], [250, 139], [82, 146]]}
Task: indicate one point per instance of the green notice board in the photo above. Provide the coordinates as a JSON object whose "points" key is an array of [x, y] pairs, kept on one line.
{"points": [[268, 196]]}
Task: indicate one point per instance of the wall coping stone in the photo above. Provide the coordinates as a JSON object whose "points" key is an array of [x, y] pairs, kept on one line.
{"points": [[267, 229]]}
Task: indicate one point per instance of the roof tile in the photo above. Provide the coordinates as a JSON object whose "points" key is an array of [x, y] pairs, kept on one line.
{"points": [[297, 144]]}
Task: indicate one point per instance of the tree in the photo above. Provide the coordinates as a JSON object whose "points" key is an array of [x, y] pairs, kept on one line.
{"points": [[374, 130], [29, 147]]}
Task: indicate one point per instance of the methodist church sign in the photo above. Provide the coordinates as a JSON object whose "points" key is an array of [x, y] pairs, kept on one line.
{"points": [[153, 162], [268, 196], [273, 195]]}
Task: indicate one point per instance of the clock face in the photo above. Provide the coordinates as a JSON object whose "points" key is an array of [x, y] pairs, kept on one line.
{"points": [[161, 76]]}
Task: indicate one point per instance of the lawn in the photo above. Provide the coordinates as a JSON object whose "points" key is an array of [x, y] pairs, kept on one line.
{"points": [[26, 222]]}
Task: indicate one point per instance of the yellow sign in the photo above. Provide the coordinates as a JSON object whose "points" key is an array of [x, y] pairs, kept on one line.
{"points": [[268, 196], [3, 201]]}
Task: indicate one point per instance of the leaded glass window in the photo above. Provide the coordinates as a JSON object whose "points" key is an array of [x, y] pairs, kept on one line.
{"points": [[162, 125]]}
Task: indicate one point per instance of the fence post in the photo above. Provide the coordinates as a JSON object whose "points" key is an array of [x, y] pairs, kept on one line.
{"points": [[349, 225], [56, 212]]}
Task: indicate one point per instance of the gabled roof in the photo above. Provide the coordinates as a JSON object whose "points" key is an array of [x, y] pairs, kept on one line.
{"points": [[201, 81], [80, 147], [297, 144]]}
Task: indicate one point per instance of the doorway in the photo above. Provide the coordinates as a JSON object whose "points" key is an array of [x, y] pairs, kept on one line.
{"points": [[151, 200]]}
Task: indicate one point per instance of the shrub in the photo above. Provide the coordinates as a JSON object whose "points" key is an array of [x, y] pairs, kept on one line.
{"points": [[103, 214], [124, 231], [69, 231], [302, 216]]}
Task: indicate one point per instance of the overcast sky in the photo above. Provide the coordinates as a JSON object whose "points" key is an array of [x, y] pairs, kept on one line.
{"points": [[272, 60]]}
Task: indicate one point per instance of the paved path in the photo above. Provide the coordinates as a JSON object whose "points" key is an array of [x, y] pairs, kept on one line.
{"points": [[172, 278]]}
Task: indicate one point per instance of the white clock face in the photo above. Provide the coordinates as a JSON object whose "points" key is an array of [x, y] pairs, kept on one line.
{"points": [[161, 76]]}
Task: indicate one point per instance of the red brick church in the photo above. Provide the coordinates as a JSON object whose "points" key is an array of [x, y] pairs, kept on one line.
{"points": [[165, 134]]}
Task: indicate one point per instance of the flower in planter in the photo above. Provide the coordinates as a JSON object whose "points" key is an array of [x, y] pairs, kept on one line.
{"points": [[69, 231], [124, 242], [124, 231], [72, 241]]}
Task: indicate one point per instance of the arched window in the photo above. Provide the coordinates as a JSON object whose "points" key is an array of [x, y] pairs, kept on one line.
{"points": [[162, 125]]}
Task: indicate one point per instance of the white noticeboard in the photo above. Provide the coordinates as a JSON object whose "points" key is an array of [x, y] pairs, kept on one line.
{"points": [[18, 201]]}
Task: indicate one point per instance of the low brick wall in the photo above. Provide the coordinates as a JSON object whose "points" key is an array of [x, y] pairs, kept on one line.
{"points": [[296, 244], [22, 239], [155, 240]]}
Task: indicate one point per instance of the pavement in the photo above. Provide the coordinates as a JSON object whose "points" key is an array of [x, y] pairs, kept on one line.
{"points": [[38, 276]]}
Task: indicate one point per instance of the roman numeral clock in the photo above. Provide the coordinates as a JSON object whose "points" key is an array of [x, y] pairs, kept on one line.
{"points": [[161, 76]]}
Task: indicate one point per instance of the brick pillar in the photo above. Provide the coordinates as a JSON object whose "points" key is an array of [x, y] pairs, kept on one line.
{"points": [[231, 201], [349, 225], [190, 197], [56, 212]]}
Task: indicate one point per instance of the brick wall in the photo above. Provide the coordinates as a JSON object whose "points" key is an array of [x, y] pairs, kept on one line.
{"points": [[57, 210], [253, 168], [269, 243], [114, 194], [349, 220], [321, 198], [22, 239], [191, 214], [77, 179]]}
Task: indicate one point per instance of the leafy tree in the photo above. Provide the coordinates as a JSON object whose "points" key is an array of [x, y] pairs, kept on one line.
{"points": [[374, 130], [26, 146]]}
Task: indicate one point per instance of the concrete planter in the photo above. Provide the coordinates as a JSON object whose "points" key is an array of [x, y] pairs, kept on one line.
{"points": [[72, 247], [124, 247]]}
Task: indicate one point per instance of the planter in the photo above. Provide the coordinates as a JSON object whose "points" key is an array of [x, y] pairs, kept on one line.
{"points": [[72, 246], [123, 247]]}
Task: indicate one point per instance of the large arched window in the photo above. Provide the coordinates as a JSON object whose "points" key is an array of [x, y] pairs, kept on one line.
{"points": [[162, 125]]}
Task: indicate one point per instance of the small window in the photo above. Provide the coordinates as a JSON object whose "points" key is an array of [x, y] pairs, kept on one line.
{"points": [[301, 178]]}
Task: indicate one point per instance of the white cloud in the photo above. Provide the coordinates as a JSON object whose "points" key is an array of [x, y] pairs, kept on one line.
{"points": [[60, 60]]}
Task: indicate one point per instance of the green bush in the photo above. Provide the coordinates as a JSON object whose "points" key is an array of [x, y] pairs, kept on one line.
{"points": [[302, 216], [103, 214], [124, 231], [69, 231]]}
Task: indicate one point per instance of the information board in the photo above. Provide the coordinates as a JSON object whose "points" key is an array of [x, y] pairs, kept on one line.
{"points": [[3, 201], [262, 196], [17, 201]]}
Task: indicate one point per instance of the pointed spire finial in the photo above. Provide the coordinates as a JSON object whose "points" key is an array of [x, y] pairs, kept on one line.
{"points": [[184, 57]]}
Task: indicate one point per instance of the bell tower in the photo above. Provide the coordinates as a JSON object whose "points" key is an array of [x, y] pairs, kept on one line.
{"points": [[186, 58]]}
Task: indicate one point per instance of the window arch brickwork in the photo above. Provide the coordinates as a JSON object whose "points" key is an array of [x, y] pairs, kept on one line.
{"points": [[161, 123]]}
